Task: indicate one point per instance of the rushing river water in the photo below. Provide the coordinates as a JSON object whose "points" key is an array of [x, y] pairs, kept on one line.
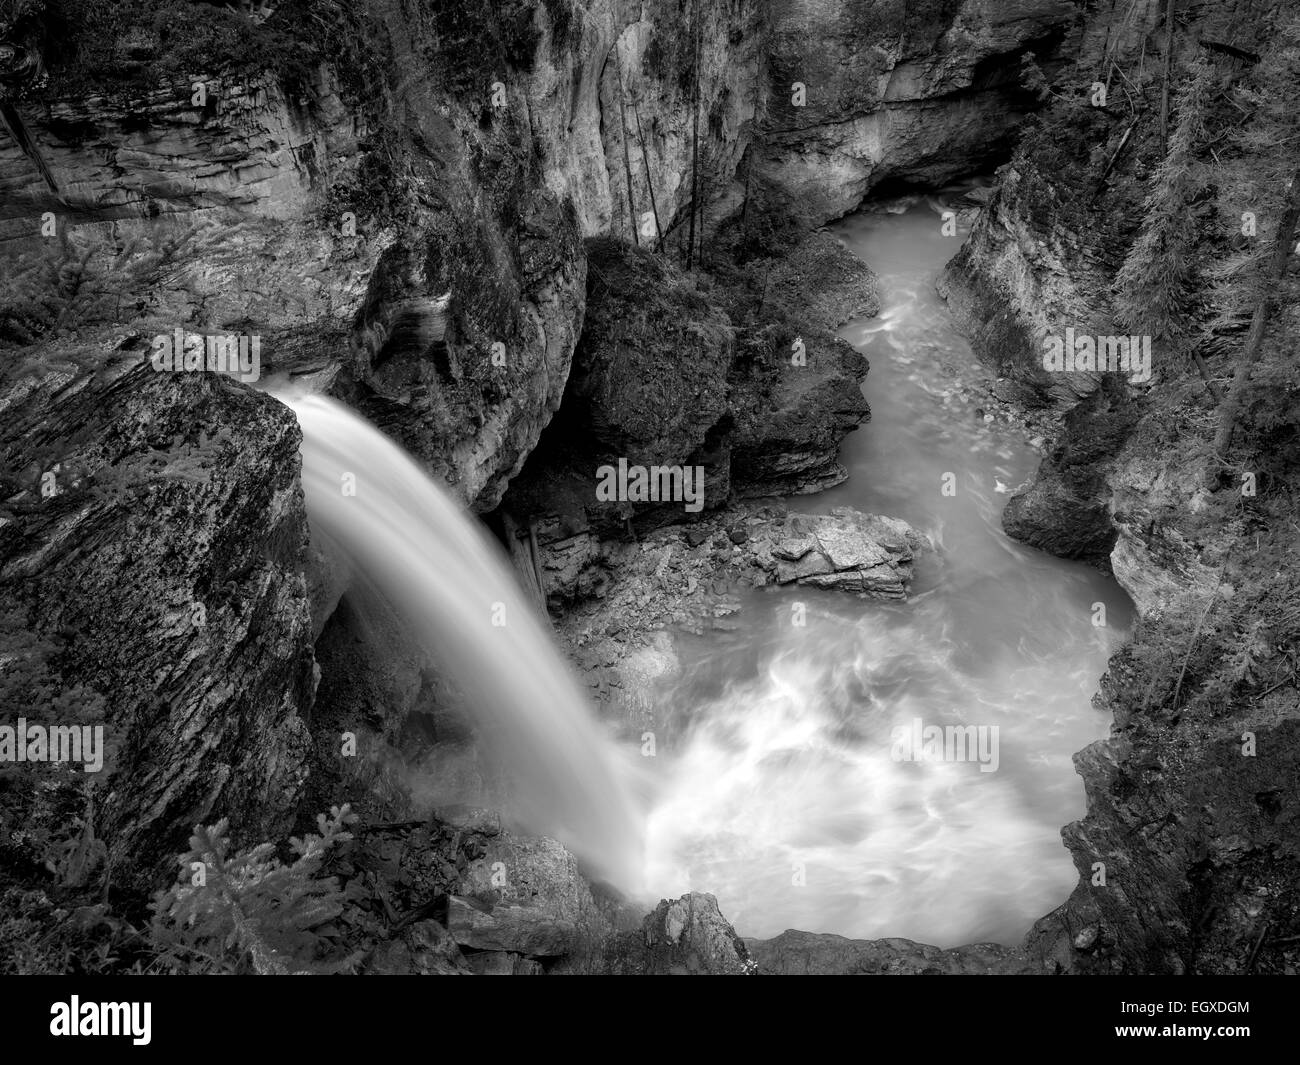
{"points": [[781, 794]]}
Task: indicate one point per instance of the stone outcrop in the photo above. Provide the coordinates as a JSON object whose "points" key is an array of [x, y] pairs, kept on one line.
{"points": [[751, 547], [158, 537], [678, 370], [900, 91], [623, 605], [526, 897], [689, 937]]}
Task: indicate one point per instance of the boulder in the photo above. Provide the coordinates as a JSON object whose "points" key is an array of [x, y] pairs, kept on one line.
{"points": [[845, 550], [152, 528], [529, 930], [526, 896], [690, 937]]}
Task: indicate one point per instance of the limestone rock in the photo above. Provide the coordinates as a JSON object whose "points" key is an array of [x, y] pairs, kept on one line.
{"points": [[690, 937], [170, 568], [526, 930]]}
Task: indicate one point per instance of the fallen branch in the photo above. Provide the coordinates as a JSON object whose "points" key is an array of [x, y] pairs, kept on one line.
{"points": [[1229, 49], [1115, 157], [1196, 634], [1254, 953]]}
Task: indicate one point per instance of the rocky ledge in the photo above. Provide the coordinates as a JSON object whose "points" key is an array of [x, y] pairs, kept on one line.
{"points": [[742, 547], [621, 606]]}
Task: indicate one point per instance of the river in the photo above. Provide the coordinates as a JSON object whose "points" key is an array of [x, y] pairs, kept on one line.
{"points": [[783, 791]]}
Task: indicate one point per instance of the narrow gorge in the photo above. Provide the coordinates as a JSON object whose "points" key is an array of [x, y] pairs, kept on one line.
{"points": [[588, 487]]}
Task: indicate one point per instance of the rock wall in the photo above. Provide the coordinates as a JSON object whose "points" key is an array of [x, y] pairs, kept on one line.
{"points": [[899, 91], [158, 541], [1186, 859]]}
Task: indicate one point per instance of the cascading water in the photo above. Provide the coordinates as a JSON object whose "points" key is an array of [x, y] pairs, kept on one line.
{"points": [[779, 790], [452, 585], [780, 793]]}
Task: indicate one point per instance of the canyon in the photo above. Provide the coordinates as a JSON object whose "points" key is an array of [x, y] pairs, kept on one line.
{"points": [[477, 281]]}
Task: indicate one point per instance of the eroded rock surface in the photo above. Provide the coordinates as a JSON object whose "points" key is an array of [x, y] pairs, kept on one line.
{"points": [[152, 526]]}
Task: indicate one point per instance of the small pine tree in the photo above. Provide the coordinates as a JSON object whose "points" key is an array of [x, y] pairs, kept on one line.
{"points": [[250, 912], [1156, 288], [1266, 180]]}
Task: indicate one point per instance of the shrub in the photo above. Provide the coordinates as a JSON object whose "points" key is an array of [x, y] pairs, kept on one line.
{"points": [[249, 912]]}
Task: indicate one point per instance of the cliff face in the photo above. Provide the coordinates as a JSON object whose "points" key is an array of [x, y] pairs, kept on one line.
{"points": [[902, 91], [157, 542], [1186, 856]]}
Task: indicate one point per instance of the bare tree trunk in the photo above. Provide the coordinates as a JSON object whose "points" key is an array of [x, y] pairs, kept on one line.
{"points": [[1230, 409], [12, 120], [695, 134], [650, 185], [627, 158], [1164, 92]]}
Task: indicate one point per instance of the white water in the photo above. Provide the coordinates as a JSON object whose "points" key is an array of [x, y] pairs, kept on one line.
{"points": [[780, 770], [776, 788], [448, 580]]}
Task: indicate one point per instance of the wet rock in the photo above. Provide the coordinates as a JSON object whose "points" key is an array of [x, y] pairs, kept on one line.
{"points": [[474, 819], [1087, 938], [789, 427], [820, 282], [433, 950], [881, 104], [794, 953], [504, 927], [793, 550], [690, 937], [494, 963], [1064, 510], [849, 551], [633, 387], [526, 895], [425, 948]]}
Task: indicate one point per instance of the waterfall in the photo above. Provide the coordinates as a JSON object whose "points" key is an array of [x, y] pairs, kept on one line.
{"points": [[453, 586]]}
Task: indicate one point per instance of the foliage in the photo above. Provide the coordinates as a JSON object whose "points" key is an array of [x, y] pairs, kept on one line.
{"points": [[250, 912], [1156, 287], [1259, 162], [1231, 645], [101, 45], [41, 934], [48, 844]]}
